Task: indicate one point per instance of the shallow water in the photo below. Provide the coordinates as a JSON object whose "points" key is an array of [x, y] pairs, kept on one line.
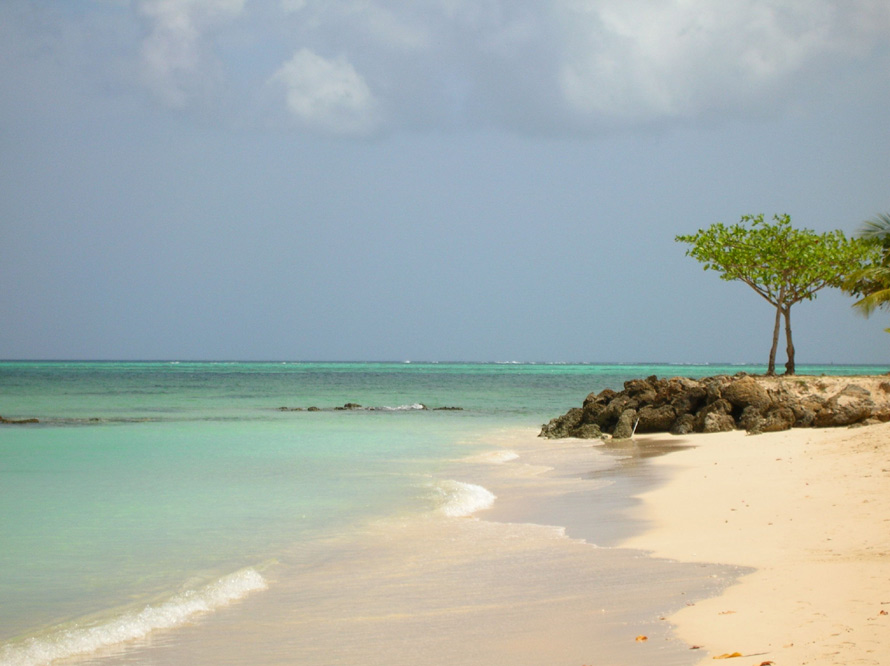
{"points": [[172, 509]]}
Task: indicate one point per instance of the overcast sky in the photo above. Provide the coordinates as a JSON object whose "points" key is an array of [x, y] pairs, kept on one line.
{"points": [[486, 180]]}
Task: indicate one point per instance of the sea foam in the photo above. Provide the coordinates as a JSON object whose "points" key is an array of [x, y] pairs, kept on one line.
{"points": [[134, 625], [403, 408], [463, 499]]}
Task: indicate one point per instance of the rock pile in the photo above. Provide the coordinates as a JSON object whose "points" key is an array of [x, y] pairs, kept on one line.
{"points": [[716, 404]]}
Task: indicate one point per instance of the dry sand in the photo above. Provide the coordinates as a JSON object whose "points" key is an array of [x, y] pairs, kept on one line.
{"points": [[809, 510]]}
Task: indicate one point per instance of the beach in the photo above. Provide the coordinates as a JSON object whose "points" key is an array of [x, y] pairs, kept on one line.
{"points": [[808, 511], [184, 513]]}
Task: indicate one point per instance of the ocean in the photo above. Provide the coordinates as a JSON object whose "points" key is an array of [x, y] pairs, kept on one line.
{"points": [[234, 512]]}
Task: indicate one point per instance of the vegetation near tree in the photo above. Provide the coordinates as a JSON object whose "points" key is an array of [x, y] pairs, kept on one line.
{"points": [[871, 284], [783, 264]]}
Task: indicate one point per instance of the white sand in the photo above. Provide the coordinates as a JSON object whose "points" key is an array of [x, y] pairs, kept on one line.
{"points": [[810, 511]]}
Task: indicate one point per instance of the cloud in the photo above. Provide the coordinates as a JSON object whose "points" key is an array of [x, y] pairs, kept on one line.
{"points": [[327, 94], [361, 66], [579, 64], [641, 59], [177, 64]]}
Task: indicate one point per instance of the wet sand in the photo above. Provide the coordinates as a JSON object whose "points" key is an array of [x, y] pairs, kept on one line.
{"points": [[532, 580]]}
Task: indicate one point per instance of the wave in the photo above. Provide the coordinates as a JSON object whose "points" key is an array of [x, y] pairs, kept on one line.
{"points": [[134, 625], [463, 499]]}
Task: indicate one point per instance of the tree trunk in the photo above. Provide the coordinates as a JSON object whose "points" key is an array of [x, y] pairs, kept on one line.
{"points": [[771, 368], [789, 348]]}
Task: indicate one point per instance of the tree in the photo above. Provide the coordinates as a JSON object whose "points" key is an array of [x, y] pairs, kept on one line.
{"points": [[872, 282], [782, 264]]}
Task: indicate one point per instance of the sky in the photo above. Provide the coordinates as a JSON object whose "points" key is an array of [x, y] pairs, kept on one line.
{"points": [[440, 180]]}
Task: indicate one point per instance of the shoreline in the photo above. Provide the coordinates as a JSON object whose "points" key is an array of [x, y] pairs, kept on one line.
{"points": [[520, 580], [586, 547], [808, 510]]}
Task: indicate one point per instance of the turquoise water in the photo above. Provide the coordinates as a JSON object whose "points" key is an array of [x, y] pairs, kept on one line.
{"points": [[144, 482]]}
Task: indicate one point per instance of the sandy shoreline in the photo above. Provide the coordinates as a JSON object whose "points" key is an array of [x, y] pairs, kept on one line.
{"points": [[809, 510]]}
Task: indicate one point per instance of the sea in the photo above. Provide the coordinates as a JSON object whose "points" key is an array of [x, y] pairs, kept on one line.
{"points": [[328, 513]]}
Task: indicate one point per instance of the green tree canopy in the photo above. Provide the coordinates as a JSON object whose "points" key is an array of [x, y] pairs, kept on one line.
{"points": [[782, 264]]}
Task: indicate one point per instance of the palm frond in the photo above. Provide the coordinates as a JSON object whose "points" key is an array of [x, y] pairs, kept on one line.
{"points": [[877, 228], [875, 300]]}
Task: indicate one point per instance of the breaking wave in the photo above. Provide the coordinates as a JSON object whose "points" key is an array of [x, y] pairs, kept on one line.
{"points": [[463, 499], [133, 625]]}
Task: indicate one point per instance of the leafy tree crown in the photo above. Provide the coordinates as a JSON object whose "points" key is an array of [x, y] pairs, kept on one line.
{"points": [[783, 264]]}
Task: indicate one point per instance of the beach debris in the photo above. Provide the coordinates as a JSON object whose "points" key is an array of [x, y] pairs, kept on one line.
{"points": [[730, 655], [641, 638]]}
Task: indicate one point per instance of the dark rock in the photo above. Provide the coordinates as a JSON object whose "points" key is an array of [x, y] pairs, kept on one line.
{"points": [[603, 397], [684, 425], [588, 431], [656, 419], [563, 426], [592, 411], [714, 387], [313, 409], [608, 417], [624, 429], [689, 399]]}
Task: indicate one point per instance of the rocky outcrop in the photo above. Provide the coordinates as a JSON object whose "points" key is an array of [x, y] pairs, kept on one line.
{"points": [[680, 405]]}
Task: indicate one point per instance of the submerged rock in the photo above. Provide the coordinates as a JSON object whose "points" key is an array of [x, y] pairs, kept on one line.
{"points": [[17, 421]]}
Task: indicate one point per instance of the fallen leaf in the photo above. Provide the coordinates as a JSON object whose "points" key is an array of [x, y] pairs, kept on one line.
{"points": [[726, 612], [766, 663], [732, 655], [883, 612], [695, 647], [640, 639]]}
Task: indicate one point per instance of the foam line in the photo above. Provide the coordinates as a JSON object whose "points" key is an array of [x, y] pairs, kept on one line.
{"points": [[133, 625]]}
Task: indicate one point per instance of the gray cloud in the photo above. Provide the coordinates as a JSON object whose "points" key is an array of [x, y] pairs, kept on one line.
{"points": [[177, 62], [360, 66]]}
